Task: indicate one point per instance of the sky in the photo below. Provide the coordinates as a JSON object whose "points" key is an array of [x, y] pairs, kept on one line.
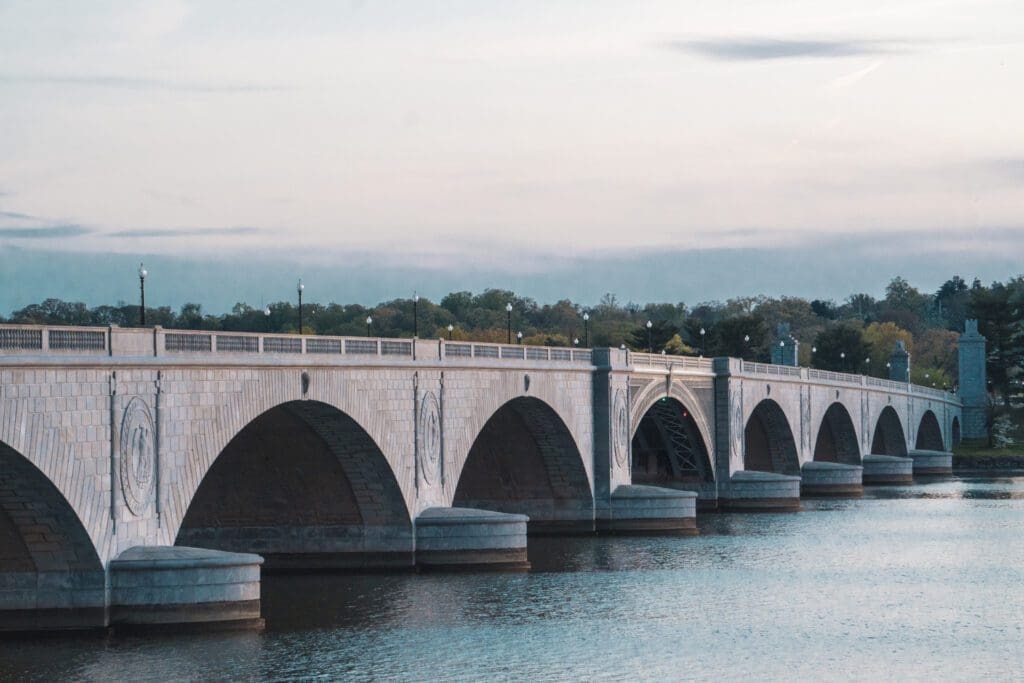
{"points": [[674, 150]]}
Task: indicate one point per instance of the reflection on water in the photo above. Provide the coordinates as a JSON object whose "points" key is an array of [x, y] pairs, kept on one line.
{"points": [[908, 582]]}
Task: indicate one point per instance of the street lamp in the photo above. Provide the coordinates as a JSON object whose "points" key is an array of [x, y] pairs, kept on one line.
{"points": [[415, 316], [576, 341], [702, 349], [450, 328], [519, 337], [266, 318], [746, 342], [650, 346], [508, 311], [369, 321], [586, 329], [782, 352], [299, 287], [842, 357], [142, 295]]}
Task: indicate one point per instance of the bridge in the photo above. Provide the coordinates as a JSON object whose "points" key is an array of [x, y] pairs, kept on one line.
{"points": [[146, 474]]}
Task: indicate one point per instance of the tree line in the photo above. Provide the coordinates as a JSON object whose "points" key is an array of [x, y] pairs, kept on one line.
{"points": [[856, 335]]}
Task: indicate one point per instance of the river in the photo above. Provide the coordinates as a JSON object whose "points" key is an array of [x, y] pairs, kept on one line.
{"points": [[920, 582]]}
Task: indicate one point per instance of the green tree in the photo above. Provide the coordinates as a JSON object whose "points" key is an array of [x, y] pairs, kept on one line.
{"points": [[841, 348]]}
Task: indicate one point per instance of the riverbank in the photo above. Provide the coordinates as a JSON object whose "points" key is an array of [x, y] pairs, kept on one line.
{"points": [[978, 459], [988, 463]]}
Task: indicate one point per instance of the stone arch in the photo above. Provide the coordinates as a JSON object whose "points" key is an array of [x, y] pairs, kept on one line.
{"points": [[306, 486], [768, 441], [47, 559], [837, 437], [669, 449], [889, 437], [954, 431], [929, 433], [525, 460], [655, 392]]}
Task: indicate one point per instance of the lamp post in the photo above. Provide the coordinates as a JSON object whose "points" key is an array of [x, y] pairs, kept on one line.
{"points": [[702, 349], [142, 295], [782, 352], [299, 287], [814, 350], [842, 358], [867, 364], [576, 341], [508, 311], [746, 342], [519, 337], [586, 330], [266, 318], [650, 346], [415, 316], [369, 321], [450, 328]]}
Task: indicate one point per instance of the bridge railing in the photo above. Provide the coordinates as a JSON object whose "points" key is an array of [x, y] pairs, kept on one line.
{"points": [[658, 360], [487, 351], [832, 376], [769, 369], [16, 339], [191, 342]]}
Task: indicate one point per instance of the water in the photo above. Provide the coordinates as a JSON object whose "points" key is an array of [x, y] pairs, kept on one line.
{"points": [[921, 582]]}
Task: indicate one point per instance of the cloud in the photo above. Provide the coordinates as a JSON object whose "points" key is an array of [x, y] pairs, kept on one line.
{"points": [[187, 232], [50, 232], [1009, 168], [18, 216], [139, 83], [758, 49]]}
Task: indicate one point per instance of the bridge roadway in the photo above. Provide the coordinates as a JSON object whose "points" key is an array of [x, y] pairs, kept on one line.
{"points": [[146, 474]]}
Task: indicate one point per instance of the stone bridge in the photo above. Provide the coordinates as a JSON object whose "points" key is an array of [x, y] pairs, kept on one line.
{"points": [[142, 470]]}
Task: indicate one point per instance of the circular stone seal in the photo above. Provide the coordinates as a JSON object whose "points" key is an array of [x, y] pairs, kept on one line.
{"points": [[137, 455], [430, 437], [620, 428]]}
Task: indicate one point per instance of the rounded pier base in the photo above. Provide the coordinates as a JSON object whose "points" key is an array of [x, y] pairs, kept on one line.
{"points": [[932, 463], [651, 510], [831, 479], [170, 588], [468, 539], [888, 470], [751, 491]]}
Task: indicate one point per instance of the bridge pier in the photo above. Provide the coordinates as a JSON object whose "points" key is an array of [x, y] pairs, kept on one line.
{"points": [[831, 479], [651, 510], [932, 463], [174, 588], [470, 539], [888, 469], [754, 491]]}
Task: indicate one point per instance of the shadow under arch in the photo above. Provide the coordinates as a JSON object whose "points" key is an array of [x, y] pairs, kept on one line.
{"points": [[525, 460], [669, 450], [954, 431], [889, 437], [44, 547], [768, 441], [837, 437], [304, 485], [929, 433]]}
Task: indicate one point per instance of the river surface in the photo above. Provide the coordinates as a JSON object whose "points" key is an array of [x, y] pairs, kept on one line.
{"points": [[921, 582]]}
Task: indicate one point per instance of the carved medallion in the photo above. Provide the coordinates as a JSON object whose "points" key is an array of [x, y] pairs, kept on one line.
{"points": [[620, 428], [430, 437], [138, 449]]}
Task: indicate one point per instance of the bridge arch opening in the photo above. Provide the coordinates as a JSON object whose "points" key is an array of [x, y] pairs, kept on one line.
{"points": [[305, 486], [43, 542], [668, 449], [954, 431], [768, 441], [889, 438], [837, 437], [929, 433], [526, 461]]}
